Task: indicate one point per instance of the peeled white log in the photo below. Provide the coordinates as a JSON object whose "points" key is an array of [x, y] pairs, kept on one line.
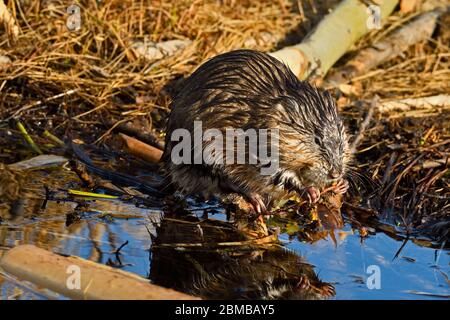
{"points": [[418, 30], [332, 38]]}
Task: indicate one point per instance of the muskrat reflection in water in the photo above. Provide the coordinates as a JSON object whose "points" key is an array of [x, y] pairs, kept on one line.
{"points": [[233, 272]]}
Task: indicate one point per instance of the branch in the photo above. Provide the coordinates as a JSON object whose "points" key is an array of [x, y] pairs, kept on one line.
{"points": [[420, 29], [331, 39]]}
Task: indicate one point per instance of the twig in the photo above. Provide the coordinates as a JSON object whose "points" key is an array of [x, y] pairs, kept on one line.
{"points": [[388, 170], [364, 124], [429, 164], [117, 253], [265, 240], [401, 248], [38, 103], [54, 138], [28, 138], [425, 103]]}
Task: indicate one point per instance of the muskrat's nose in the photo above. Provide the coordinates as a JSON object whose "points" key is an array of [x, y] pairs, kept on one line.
{"points": [[334, 174]]}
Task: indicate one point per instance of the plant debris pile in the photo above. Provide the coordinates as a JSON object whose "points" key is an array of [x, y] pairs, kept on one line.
{"points": [[128, 57]]}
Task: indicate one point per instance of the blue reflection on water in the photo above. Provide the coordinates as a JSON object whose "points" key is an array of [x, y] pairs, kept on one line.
{"points": [[346, 266], [416, 269]]}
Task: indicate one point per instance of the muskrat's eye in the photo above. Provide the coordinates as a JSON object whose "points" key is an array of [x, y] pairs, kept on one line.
{"points": [[317, 141]]}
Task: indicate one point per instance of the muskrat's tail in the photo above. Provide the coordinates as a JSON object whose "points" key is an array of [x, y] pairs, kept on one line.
{"points": [[152, 189]]}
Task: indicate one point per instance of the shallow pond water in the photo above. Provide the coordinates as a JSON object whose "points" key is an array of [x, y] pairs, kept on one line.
{"points": [[347, 263]]}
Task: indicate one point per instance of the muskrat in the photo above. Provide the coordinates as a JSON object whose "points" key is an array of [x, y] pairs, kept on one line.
{"points": [[247, 89]]}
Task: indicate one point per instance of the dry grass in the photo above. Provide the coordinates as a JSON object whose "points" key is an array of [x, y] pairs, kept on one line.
{"points": [[97, 61], [94, 69]]}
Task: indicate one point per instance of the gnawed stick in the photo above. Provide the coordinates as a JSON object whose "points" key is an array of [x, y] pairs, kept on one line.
{"points": [[142, 150], [78, 278], [420, 29], [331, 39]]}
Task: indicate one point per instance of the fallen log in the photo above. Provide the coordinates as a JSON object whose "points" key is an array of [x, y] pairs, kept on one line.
{"points": [[334, 35], [95, 281], [418, 30]]}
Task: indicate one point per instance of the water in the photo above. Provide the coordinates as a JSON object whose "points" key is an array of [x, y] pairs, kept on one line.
{"points": [[104, 225], [347, 265]]}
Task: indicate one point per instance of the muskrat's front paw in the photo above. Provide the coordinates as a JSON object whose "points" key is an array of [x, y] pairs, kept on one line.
{"points": [[257, 203], [327, 290], [341, 186], [313, 194]]}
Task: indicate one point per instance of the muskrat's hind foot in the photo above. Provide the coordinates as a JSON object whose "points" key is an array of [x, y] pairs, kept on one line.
{"points": [[341, 186]]}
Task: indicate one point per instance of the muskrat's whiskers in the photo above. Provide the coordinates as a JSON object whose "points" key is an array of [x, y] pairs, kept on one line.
{"points": [[362, 180]]}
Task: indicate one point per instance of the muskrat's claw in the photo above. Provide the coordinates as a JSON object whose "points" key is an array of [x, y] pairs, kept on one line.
{"points": [[313, 194], [327, 290], [341, 187], [303, 283], [257, 203]]}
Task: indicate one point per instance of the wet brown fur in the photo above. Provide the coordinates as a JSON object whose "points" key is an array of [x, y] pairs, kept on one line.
{"points": [[248, 89]]}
